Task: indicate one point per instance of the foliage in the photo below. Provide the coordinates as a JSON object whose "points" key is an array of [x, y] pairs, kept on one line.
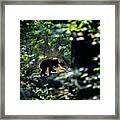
{"points": [[41, 39]]}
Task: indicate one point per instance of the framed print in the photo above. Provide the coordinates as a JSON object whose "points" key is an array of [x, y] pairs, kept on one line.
{"points": [[60, 59]]}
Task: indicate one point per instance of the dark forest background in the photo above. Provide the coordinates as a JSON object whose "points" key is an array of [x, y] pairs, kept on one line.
{"points": [[76, 43]]}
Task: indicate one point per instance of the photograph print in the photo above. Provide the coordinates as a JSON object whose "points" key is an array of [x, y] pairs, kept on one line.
{"points": [[59, 59]]}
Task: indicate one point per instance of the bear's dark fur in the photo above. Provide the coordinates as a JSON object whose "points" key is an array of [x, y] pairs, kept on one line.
{"points": [[49, 64]]}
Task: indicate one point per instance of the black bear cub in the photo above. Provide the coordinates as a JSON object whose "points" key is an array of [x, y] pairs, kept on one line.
{"points": [[51, 65]]}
